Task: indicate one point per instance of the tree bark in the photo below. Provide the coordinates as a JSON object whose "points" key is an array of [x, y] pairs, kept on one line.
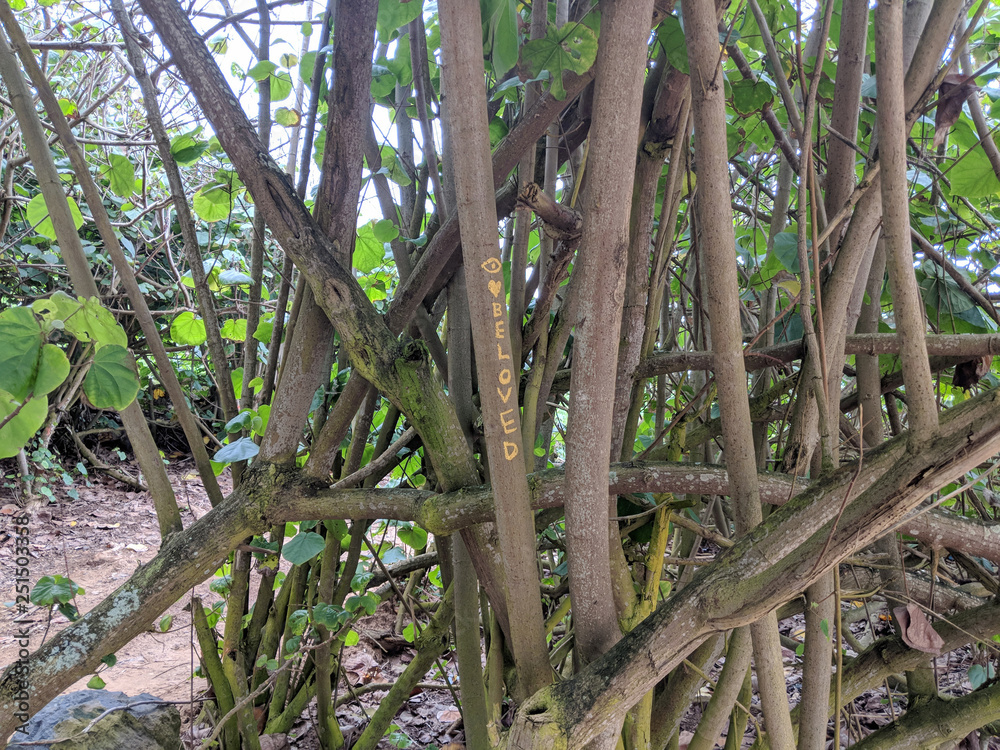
{"points": [[600, 268]]}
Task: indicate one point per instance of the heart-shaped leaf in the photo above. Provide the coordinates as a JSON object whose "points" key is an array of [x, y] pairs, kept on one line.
{"points": [[111, 382], [20, 342], [302, 547], [53, 367], [16, 433], [188, 330]]}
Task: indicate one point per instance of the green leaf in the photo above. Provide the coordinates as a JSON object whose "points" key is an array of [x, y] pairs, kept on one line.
{"points": [[187, 330], [414, 537], [395, 13], [255, 385], [572, 47], [368, 602], [235, 329], [786, 249], [385, 230], [221, 585], [940, 291], [281, 86], [409, 633], [54, 589], [263, 332], [973, 176], [232, 277], [330, 616], [165, 622], [392, 168], [262, 70], [751, 96], [979, 676], [498, 131], [307, 67], [218, 44], [20, 342], [368, 251], [121, 175], [240, 450], [56, 309], [236, 375], [111, 659], [96, 683], [37, 213], [53, 367], [186, 149], [213, 202], [383, 81], [16, 433], [351, 638], [241, 421], [302, 547], [286, 117], [500, 32], [111, 382], [401, 63], [671, 36], [86, 319]]}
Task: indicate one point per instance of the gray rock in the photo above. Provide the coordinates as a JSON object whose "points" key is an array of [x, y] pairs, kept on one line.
{"points": [[149, 726]]}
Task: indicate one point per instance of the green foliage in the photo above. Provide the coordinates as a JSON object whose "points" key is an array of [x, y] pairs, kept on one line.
{"points": [[59, 591], [31, 368], [751, 96], [302, 547], [53, 368], [573, 47], [240, 450], [286, 117], [392, 14], [38, 214], [188, 329], [671, 38], [111, 383], [973, 176], [20, 421], [412, 536], [369, 251], [213, 202], [235, 329], [500, 41], [86, 319], [187, 149], [121, 175], [20, 345]]}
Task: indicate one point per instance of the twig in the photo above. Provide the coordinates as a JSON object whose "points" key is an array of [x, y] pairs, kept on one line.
{"points": [[101, 466], [379, 463]]}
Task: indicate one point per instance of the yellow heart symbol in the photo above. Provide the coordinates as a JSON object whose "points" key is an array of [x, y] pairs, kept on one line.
{"points": [[495, 288]]}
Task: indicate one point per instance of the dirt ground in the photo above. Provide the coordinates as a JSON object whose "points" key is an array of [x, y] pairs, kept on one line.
{"points": [[99, 538]]}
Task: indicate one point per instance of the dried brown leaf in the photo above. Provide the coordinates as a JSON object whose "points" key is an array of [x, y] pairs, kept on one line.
{"points": [[955, 89], [916, 629]]}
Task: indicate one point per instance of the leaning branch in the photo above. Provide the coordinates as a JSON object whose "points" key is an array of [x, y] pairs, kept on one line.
{"points": [[938, 345]]}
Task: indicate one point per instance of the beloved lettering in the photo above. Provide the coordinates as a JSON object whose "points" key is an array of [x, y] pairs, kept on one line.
{"points": [[508, 417]]}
